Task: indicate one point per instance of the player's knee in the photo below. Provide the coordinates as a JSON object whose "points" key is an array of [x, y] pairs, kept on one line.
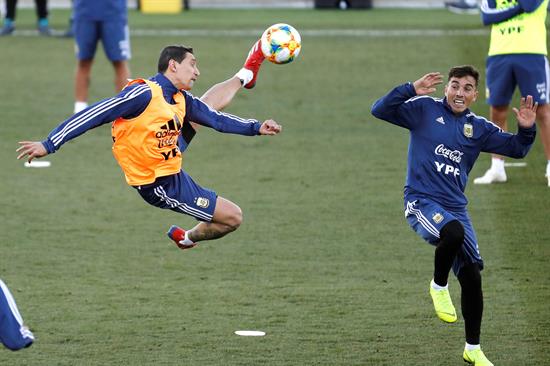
{"points": [[235, 218], [452, 234]]}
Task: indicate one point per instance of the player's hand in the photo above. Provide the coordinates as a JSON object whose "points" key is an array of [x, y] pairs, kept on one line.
{"points": [[527, 112], [31, 150], [270, 127], [427, 83]]}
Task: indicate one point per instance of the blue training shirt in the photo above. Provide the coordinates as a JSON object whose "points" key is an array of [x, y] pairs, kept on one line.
{"points": [[444, 146], [133, 100]]}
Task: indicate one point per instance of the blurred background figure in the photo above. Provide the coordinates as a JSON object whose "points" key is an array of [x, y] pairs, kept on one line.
{"points": [[517, 59], [95, 20], [41, 13], [462, 6]]}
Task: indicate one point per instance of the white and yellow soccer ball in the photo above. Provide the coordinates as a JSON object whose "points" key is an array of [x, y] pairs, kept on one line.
{"points": [[281, 43]]}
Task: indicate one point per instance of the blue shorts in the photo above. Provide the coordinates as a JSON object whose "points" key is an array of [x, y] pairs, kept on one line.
{"points": [[426, 217], [114, 35], [180, 193], [13, 334], [529, 72]]}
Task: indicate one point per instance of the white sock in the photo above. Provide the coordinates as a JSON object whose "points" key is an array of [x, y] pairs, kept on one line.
{"points": [[435, 286], [548, 169], [186, 240], [471, 347], [245, 75], [79, 106], [497, 164]]}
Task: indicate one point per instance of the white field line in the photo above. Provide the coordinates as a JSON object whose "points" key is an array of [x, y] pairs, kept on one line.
{"points": [[367, 33]]}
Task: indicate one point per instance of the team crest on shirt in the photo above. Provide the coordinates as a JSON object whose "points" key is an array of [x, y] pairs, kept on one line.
{"points": [[468, 130], [437, 217], [202, 202]]}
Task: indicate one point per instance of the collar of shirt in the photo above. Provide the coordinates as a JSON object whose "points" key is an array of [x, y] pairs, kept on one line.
{"points": [[168, 89]]}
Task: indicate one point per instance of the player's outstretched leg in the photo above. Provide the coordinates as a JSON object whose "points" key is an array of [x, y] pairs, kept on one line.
{"points": [[249, 72]]}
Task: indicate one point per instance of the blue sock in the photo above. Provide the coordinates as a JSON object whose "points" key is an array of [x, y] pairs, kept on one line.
{"points": [[43, 22], [9, 22]]}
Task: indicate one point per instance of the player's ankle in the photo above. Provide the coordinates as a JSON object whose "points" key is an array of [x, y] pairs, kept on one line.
{"points": [[497, 164], [244, 75]]}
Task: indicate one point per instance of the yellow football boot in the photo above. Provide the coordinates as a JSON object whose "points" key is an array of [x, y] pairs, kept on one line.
{"points": [[476, 357], [443, 305]]}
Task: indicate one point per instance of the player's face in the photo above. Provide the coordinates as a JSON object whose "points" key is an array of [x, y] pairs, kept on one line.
{"points": [[186, 72], [461, 93]]}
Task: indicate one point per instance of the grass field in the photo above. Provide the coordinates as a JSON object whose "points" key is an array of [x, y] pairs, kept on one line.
{"points": [[324, 262]]}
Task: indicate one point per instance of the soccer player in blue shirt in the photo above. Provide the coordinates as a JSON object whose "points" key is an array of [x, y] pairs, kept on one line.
{"points": [[446, 138], [13, 333]]}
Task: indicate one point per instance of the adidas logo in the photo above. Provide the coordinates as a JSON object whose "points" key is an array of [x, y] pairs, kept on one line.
{"points": [[440, 120]]}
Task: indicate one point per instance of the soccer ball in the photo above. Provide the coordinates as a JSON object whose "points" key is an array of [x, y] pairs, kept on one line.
{"points": [[281, 43]]}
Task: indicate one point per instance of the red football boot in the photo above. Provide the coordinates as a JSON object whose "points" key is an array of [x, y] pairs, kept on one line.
{"points": [[177, 234], [253, 62]]}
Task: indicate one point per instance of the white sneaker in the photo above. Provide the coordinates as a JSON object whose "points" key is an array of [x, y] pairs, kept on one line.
{"points": [[491, 176], [548, 176]]}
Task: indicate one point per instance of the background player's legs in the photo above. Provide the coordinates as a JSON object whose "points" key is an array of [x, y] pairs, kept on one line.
{"points": [[81, 84], [9, 20], [543, 119], [122, 73], [42, 16], [496, 173], [227, 218]]}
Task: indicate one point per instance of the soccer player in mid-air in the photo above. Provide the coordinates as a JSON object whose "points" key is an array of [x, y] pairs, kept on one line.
{"points": [[154, 122], [446, 138], [13, 333]]}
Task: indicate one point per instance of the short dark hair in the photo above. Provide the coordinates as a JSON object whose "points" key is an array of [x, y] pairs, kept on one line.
{"points": [[174, 52], [462, 71]]}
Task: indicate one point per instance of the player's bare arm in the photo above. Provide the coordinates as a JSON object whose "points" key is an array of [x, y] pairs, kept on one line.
{"points": [[31, 150], [427, 83], [270, 127], [527, 112]]}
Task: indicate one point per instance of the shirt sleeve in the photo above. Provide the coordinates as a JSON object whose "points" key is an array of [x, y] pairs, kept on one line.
{"points": [[491, 15], [397, 107], [129, 103], [199, 112], [504, 143]]}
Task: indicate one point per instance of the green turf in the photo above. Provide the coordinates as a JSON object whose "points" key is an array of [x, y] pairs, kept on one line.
{"points": [[324, 262]]}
